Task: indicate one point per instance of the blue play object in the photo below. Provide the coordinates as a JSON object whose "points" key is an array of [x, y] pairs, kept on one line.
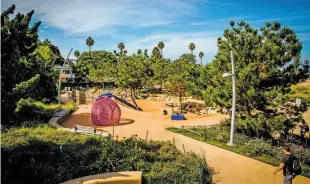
{"points": [[177, 117]]}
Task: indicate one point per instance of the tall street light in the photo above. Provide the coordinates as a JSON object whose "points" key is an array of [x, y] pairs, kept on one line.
{"points": [[60, 76], [233, 112]]}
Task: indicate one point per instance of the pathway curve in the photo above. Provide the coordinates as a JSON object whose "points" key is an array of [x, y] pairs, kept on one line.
{"points": [[229, 167]]}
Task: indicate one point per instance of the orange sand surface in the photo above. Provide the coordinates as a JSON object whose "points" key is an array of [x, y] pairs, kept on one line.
{"points": [[229, 167]]}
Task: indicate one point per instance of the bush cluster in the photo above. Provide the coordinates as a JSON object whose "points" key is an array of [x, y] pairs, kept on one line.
{"points": [[28, 110], [260, 149], [46, 155]]}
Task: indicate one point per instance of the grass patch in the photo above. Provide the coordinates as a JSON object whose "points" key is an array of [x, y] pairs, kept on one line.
{"points": [[68, 105], [302, 92], [255, 148]]}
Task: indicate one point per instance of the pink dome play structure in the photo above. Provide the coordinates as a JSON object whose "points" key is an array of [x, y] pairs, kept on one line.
{"points": [[105, 111]]}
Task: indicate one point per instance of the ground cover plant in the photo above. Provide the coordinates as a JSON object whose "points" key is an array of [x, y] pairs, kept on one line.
{"points": [[260, 149], [45, 155]]}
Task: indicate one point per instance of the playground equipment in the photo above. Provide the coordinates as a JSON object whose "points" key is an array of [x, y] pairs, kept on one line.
{"points": [[110, 95], [105, 111], [177, 117]]}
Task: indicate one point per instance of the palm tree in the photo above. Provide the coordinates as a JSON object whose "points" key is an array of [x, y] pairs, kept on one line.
{"points": [[191, 47], [90, 42], [145, 53], [156, 53], [232, 23], [139, 52], [201, 54], [161, 45], [121, 47], [76, 53]]}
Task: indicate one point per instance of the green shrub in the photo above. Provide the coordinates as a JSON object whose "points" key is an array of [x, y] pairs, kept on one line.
{"points": [[70, 105], [164, 172], [29, 109], [28, 105], [46, 155]]}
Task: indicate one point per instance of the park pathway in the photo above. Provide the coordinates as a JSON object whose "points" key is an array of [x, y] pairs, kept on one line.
{"points": [[228, 167]]}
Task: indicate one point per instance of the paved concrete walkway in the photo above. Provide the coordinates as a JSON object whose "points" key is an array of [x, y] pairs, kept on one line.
{"points": [[229, 167]]}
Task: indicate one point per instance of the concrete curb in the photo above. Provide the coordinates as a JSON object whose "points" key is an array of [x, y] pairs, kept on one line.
{"points": [[55, 121]]}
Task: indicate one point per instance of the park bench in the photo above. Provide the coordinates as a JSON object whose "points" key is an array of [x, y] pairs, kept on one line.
{"points": [[84, 129], [87, 130]]}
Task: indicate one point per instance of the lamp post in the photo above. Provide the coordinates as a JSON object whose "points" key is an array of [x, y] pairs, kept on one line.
{"points": [[233, 112], [60, 76]]}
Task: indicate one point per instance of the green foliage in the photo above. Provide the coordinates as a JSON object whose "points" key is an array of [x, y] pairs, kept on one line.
{"points": [[121, 47], [26, 86], [160, 68], [76, 54], [70, 105], [131, 72], [201, 54], [156, 53], [90, 42], [260, 86], [28, 106], [46, 155], [161, 45], [31, 110], [259, 149], [185, 71], [94, 60], [104, 71], [192, 47], [24, 66]]}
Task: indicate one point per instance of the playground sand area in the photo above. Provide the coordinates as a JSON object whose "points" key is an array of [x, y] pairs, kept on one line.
{"points": [[151, 111]]}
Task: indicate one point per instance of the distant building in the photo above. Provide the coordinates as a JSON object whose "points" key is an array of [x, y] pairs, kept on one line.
{"points": [[67, 74]]}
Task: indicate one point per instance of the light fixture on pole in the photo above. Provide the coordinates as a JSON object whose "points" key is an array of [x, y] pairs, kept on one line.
{"points": [[60, 76], [233, 112]]}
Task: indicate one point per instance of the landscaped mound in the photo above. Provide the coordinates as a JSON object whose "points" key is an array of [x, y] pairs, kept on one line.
{"points": [[47, 155]]}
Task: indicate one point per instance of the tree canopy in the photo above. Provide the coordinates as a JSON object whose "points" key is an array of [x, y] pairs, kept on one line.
{"points": [[90, 42], [262, 87], [26, 63], [93, 60]]}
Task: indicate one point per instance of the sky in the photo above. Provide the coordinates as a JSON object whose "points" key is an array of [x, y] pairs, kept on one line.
{"points": [[141, 24]]}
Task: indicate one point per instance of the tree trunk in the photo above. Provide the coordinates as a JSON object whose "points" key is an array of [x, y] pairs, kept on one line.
{"points": [[89, 49], [133, 99], [180, 98], [201, 61]]}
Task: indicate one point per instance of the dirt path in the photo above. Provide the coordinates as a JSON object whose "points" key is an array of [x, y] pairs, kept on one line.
{"points": [[229, 167]]}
